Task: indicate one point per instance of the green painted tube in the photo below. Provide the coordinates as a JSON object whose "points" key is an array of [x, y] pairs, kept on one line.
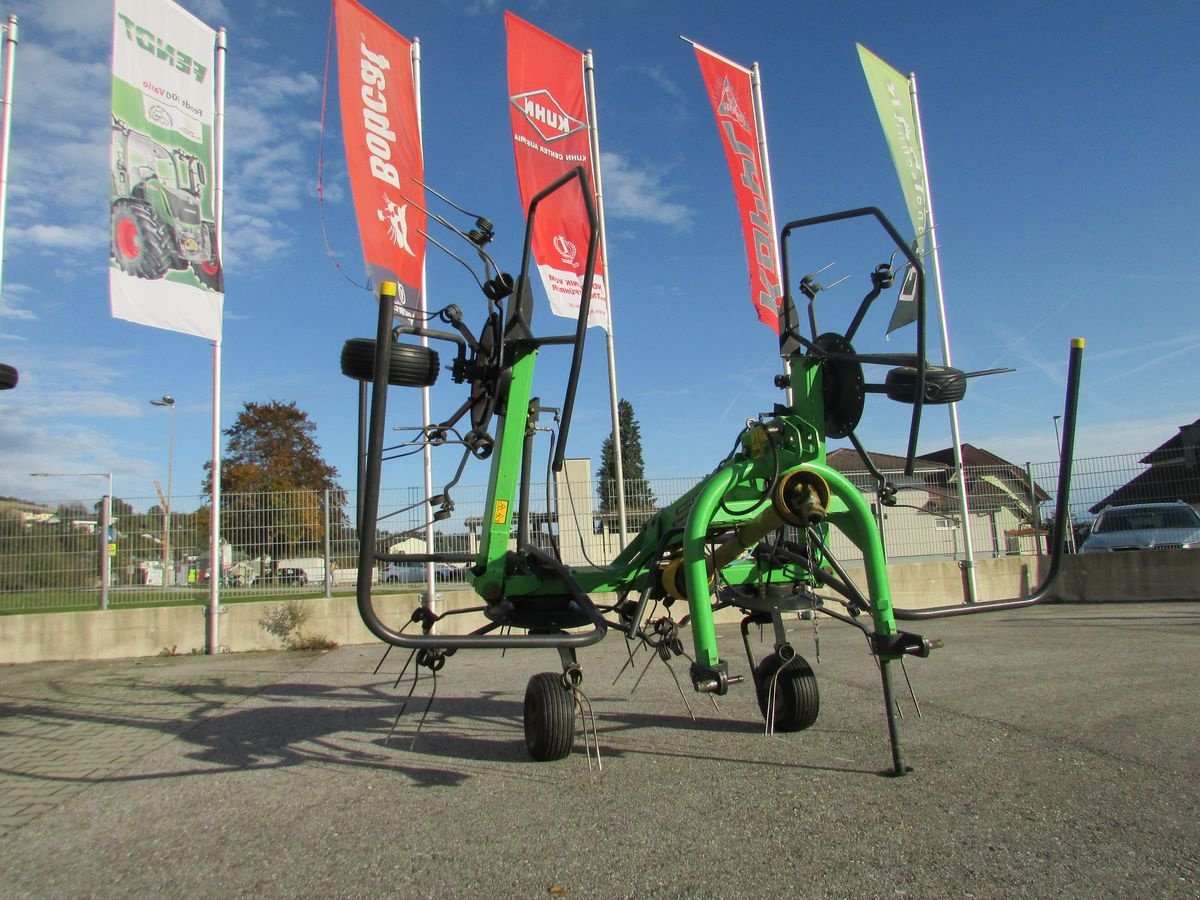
{"points": [[695, 567], [852, 515]]}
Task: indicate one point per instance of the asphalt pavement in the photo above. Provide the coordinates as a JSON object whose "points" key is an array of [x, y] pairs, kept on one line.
{"points": [[1055, 754]]}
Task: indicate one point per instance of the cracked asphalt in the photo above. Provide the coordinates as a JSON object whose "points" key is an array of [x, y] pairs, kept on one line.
{"points": [[1055, 753]]}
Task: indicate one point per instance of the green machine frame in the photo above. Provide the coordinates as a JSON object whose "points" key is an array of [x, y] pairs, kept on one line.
{"points": [[752, 535]]}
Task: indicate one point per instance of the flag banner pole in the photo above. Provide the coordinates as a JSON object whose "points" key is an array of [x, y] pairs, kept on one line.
{"points": [[10, 48], [731, 90], [761, 122], [549, 118], [952, 408], [429, 601], [383, 150], [212, 636], [589, 69], [889, 92], [164, 263]]}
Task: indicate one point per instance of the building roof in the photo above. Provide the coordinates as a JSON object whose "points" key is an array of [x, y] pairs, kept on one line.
{"points": [[1174, 473]]}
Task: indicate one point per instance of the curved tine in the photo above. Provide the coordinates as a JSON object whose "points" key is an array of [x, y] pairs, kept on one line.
{"points": [[583, 705], [411, 654], [382, 659], [679, 687], [649, 662], [421, 723], [911, 692], [404, 705], [773, 693]]}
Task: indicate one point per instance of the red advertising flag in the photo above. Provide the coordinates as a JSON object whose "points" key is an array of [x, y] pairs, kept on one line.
{"points": [[732, 96], [383, 148], [548, 107]]}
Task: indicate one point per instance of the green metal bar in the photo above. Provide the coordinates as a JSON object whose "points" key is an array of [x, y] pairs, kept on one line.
{"points": [[506, 473], [850, 513], [704, 636]]}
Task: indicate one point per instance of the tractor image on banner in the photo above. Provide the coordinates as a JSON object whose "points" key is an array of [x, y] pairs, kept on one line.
{"points": [[164, 174], [157, 213]]}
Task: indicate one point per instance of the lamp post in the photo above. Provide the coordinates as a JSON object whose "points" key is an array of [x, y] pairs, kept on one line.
{"points": [[105, 520], [1070, 526], [168, 401]]}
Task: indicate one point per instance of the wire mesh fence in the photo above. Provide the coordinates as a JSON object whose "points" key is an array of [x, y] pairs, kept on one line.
{"points": [[60, 557]]}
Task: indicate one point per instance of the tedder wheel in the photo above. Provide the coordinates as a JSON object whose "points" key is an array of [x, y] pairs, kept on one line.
{"points": [[411, 365], [8, 377], [797, 700], [549, 717], [942, 384]]}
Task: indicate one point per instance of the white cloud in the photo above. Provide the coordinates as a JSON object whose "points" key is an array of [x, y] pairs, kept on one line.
{"points": [[641, 194]]}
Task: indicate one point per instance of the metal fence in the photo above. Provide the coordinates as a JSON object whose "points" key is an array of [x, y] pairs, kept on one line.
{"points": [[58, 556]]}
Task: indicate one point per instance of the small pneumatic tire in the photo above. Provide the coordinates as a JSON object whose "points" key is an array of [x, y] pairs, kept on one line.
{"points": [[409, 365]]}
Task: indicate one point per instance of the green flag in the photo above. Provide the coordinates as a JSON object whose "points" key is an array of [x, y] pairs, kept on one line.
{"points": [[893, 102]]}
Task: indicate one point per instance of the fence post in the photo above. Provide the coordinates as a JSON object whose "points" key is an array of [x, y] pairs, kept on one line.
{"points": [[105, 564], [1035, 512], [328, 556]]}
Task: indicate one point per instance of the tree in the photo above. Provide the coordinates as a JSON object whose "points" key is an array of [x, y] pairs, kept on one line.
{"points": [[273, 481], [640, 504]]}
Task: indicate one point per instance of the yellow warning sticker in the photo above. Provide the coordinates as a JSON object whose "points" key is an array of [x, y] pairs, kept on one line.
{"points": [[500, 514]]}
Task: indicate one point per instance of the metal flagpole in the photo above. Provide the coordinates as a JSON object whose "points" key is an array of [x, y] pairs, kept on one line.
{"points": [[761, 123], [10, 47], [212, 630], [594, 135], [964, 508], [430, 601]]}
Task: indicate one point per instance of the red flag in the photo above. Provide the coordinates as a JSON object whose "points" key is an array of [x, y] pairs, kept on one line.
{"points": [[548, 107], [383, 148], [732, 97]]}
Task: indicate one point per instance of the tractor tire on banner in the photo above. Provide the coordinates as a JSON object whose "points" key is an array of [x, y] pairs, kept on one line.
{"points": [[409, 365], [209, 273], [140, 241]]}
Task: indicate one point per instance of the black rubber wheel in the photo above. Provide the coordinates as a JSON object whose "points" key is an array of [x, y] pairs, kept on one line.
{"points": [[8, 377], [797, 700], [410, 365], [942, 384], [141, 244], [549, 717]]}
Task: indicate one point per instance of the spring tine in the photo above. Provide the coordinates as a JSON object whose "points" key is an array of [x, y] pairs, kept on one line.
{"points": [[386, 651], [912, 693], [627, 665], [649, 663], [421, 723], [584, 707], [404, 705], [411, 654], [679, 687]]}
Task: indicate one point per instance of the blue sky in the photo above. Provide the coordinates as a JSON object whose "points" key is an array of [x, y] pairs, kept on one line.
{"points": [[1061, 141]]}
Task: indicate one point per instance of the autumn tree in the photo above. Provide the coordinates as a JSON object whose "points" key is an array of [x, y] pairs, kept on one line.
{"points": [[640, 504], [274, 482]]}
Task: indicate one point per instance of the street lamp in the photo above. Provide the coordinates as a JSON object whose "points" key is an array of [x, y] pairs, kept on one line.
{"points": [[105, 519], [168, 401], [1058, 446]]}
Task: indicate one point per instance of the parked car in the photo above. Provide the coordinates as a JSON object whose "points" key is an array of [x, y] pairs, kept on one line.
{"points": [[1144, 526], [285, 577], [414, 573]]}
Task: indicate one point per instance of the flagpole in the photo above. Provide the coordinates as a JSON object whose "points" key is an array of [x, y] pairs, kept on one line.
{"points": [[768, 189], [594, 138], [10, 47], [430, 600], [212, 633], [963, 504]]}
